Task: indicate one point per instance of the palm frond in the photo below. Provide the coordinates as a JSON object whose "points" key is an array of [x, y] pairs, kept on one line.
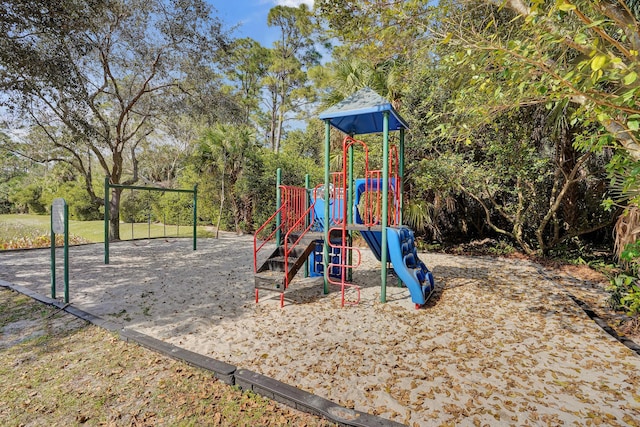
{"points": [[627, 229]]}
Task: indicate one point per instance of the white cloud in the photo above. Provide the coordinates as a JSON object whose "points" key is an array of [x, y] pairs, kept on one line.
{"points": [[294, 3]]}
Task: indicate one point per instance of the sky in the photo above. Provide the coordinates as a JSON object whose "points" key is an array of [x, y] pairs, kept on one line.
{"points": [[251, 17]]}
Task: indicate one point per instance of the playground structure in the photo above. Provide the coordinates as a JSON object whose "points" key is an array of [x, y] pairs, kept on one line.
{"points": [[326, 216]]}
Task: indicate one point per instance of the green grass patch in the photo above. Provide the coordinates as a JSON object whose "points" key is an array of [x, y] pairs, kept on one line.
{"points": [[22, 231], [62, 371], [20, 307]]}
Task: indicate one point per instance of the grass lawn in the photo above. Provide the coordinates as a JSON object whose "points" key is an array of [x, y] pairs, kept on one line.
{"points": [[32, 227], [59, 370]]}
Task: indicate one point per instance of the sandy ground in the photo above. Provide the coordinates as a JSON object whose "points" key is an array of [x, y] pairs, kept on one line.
{"points": [[499, 343]]}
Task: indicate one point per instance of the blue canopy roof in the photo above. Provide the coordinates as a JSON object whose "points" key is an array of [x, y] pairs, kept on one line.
{"points": [[362, 113]]}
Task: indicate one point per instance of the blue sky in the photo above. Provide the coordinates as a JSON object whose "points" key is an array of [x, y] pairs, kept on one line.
{"points": [[251, 17]]}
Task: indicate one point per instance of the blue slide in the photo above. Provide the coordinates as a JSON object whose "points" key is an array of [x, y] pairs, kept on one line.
{"points": [[401, 249], [404, 257]]}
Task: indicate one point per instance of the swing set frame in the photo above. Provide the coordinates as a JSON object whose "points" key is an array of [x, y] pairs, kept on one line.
{"points": [[107, 190]]}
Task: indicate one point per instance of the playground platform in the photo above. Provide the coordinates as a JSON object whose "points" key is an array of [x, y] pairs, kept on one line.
{"points": [[500, 342]]}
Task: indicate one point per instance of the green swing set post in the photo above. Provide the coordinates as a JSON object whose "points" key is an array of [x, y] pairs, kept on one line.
{"points": [[195, 217], [106, 219]]}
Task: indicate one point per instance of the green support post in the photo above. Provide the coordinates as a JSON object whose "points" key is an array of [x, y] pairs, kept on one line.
{"points": [[278, 206], [195, 216], [327, 222], [385, 204], [106, 220], [307, 184], [55, 227], [401, 186], [66, 253], [53, 259], [401, 173]]}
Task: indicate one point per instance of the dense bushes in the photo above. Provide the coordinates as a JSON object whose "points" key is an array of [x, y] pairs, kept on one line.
{"points": [[625, 287], [34, 192]]}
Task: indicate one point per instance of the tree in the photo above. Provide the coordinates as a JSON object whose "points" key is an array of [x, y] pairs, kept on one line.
{"points": [[291, 55], [13, 170], [476, 141], [224, 152], [344, 77], [376, 31], [246, 66], [585, 52], [520, 157], [91, 77]]}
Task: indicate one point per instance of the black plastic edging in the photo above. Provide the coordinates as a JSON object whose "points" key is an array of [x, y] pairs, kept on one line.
{"points": [[221, 370], [604, 325], [307, 402], [631, 345], [229, 374]]}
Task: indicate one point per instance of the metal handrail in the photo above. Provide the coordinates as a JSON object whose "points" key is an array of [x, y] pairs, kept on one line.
{"points": [[284, 225], [288, 250], [256, 249], [343, 267]]}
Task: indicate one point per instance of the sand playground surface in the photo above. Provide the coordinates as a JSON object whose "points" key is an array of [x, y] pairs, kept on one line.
{"points": [[501, 342]]}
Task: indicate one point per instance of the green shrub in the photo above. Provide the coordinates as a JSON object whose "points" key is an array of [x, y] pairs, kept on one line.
{"points": [[81, 207], [27, 199], [625, 287], [173, 208]]}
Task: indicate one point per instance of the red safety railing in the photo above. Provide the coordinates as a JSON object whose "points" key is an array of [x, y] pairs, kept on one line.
{"points": [[295, 200], [257, 248], [289, 246], [343, 264], [370, 207], [293, 207], [370, 210]]}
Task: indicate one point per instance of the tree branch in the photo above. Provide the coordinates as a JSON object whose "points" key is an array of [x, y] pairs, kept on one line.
{"points": [[555, 203]]}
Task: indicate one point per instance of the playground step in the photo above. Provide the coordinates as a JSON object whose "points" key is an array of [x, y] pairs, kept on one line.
{"points": [[314, 236], [272, 275], [271, 280], [278, 263], [307, 238], [295, 252]]}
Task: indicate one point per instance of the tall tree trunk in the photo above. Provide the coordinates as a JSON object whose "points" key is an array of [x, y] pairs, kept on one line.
{"points": [[567, 158], [278, 137], [221, 204], [114, 214], [236, 213], [114, 211], [281, 112], [274, 121]]}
